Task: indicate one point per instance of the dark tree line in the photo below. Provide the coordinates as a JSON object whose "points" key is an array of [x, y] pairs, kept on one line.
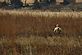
{"points": [[36, 4]]}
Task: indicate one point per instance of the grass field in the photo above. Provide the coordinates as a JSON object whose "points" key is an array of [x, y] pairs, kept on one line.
{"points": [[28, 33]]}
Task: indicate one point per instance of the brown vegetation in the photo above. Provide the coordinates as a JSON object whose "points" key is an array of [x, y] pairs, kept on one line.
{"points": [[24, 33]]}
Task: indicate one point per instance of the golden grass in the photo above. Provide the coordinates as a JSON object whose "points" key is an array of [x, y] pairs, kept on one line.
{"points": [[24, 32]]}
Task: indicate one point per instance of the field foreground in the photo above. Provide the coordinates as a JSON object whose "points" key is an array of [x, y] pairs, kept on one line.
{"points": [[30, 33], [36, 45]]}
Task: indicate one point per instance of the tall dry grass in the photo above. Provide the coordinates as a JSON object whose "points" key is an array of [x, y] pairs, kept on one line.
{"points": [[24, 32], [37, 22]]}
